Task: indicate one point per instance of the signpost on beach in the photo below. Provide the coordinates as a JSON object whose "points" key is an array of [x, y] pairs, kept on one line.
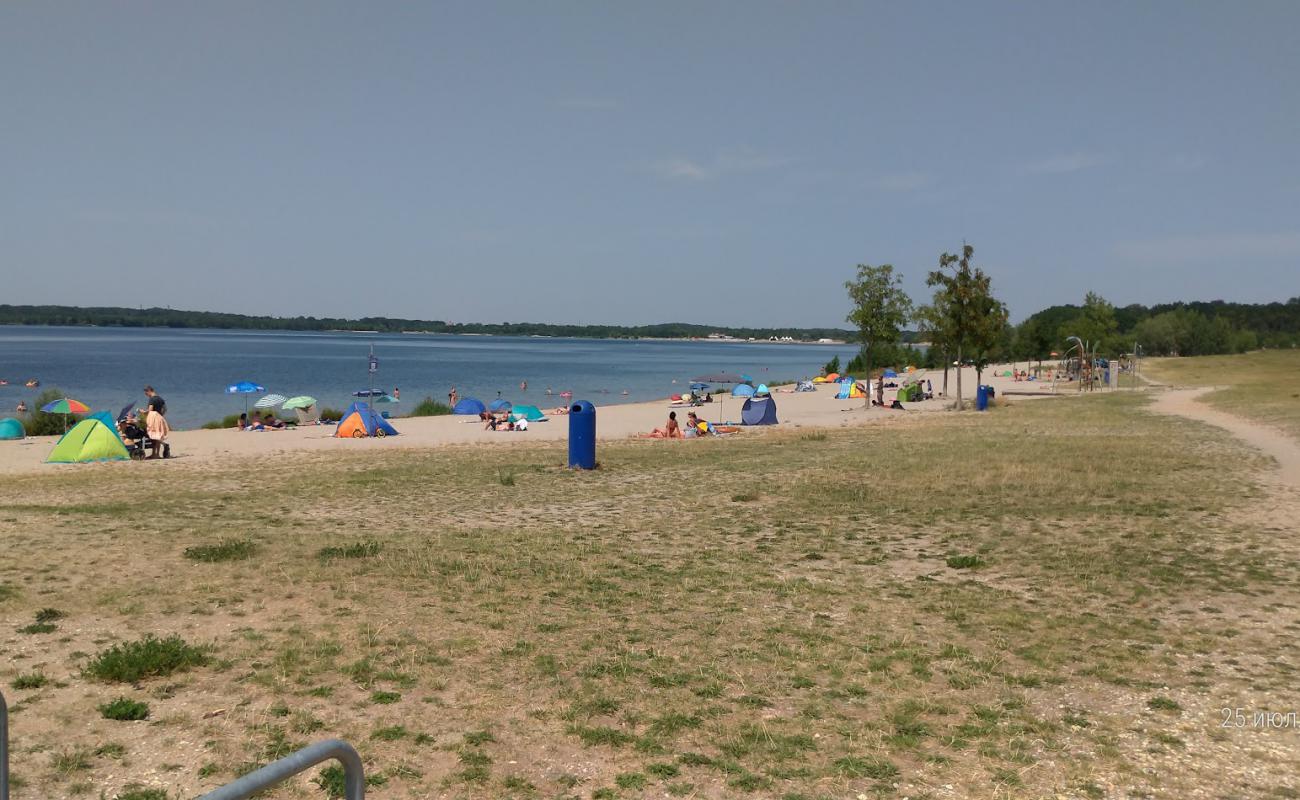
{"points": [[374, 367]]}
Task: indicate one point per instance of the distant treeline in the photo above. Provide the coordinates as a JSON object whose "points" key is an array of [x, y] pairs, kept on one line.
{"points": [[1184, 329], [169, 318]]}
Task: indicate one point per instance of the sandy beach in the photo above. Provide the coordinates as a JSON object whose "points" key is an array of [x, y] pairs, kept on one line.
{"points": [[817, 409]]}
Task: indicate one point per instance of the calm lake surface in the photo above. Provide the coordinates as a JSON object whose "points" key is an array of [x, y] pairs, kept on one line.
{"points": [[106, 368]]}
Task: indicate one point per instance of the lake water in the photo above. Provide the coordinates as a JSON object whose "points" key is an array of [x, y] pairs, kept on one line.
{"points": [[106, 368]]}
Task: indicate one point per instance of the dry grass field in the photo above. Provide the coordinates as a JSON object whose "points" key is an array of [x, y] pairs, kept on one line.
{"points": [[1263, 386], [1056, 598]]}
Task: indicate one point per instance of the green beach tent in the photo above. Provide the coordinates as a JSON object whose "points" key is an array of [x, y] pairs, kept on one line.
{"points": [[11, 428], [93, 439], [530, 413]]}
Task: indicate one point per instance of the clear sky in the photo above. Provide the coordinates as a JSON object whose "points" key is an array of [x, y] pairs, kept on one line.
{"points": [[642, 162]]}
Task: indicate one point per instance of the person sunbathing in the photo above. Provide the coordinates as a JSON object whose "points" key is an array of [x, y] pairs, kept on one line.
{"points": [[670, 430], [271, 421]]}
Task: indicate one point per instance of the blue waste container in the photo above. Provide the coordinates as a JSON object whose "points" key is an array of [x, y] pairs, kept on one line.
{"points": [[981, 398], [582, 435]]}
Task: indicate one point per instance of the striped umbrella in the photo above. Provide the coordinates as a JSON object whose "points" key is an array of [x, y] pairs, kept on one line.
{"points": [[270, 401], [66, 405]]}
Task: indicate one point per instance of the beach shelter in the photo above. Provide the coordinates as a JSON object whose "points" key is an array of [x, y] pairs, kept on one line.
{"points": [[819, 379], [95, 438], [530, 413], [758, 411], [762, 390], [469, 406], [831, 378], [743, 390], [360, 421], [500, 404], [890, 373], [11, 428], [849, 389]]}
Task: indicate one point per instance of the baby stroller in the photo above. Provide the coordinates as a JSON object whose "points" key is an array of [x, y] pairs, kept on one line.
{"points": [[135, 437]]}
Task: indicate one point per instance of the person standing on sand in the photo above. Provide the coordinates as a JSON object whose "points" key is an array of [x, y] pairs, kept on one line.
{"points": [[451, 397], [156, 422]]}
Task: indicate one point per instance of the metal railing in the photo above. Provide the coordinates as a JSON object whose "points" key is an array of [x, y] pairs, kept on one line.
{"points": [[354, 776]]}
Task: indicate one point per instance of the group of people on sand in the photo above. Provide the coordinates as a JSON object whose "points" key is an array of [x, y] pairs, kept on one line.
{"points": [[672, 430], [150, 424], [500, 421], [266, 422]]}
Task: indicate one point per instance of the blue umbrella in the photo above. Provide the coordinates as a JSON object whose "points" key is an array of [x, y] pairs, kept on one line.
{"points": [[245, 388]]}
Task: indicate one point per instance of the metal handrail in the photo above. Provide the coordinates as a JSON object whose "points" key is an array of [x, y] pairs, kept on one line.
{"points": [[354, 777], [4, 748]]}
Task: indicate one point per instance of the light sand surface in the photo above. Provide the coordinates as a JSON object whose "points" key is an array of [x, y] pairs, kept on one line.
{"points": [[1283, 449], [804, 409]]}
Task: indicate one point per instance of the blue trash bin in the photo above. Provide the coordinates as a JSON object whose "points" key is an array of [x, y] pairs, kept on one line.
{"points": [[981, 398], [582, 435]]}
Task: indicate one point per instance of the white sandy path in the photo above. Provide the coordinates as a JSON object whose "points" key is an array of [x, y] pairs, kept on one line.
{"points": [[1283, 449], [807, 409]]}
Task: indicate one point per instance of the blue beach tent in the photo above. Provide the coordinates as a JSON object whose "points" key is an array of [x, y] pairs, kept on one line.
{"points": [[889, 373], [758, 411], [500, 404], [11, 428], [471, 406], [743, 390]]}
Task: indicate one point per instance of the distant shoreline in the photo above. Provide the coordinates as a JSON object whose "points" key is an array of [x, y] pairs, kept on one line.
{"points": [[117, 317]]}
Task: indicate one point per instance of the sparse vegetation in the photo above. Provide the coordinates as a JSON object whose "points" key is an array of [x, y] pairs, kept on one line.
{"points": [[125, 709], [148, 657], [30, 680], [814, 643], [227, 550]]}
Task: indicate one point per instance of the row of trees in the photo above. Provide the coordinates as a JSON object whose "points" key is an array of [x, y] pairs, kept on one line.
{"points": [[172, 318], [965, 322], [962, 322]]}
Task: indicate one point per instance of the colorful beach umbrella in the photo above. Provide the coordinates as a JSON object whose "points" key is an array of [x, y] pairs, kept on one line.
{"points": [[301, 401], [270, 401], [66, 405]]}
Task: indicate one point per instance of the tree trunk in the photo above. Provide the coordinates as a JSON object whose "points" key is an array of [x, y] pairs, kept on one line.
{"points": [[959, 408], [866, 396], [946, 364]]}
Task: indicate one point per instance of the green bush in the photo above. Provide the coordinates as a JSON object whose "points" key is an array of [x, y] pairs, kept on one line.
{"points": [[428, 407], [32, 680], [227, 421], [125, 710], [330, 415], [965, 562], [228, 550], [38, 423], [143, 658], [355, 550]]}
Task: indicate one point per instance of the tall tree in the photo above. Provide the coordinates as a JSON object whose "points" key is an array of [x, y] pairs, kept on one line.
{"points": [[972, 320], [880, 307]]}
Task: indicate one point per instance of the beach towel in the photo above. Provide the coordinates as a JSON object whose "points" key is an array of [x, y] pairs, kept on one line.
{"points": [[157, 426]]}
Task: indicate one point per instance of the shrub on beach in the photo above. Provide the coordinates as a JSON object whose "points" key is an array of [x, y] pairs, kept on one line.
{"points": [[428, 407], [330, 415], [38, 423], [143, 658], [227, 421]]}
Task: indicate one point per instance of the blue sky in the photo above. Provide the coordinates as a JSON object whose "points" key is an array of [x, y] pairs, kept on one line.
{"points": [[633, 163]]}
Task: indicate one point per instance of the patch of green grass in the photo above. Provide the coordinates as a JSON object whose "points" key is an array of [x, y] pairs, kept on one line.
{"points": [[866, 767], [125, 709], [38, 627], [744, 497], [477, 738], [385, 698], [69, 760], [1162, 703], [663, 770], [30, 680], [226, 550], [137, 791], [111, 750], [389, 734], [333, 781], [593, 736], [965, 562], [631, 780], [364, 549], [146, 658], [49, 615]]}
